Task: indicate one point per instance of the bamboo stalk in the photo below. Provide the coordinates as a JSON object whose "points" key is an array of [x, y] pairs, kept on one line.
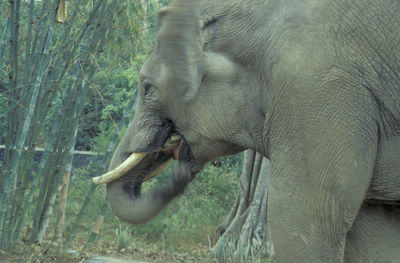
{"points": [[28, 55], [44, 64], [85, 204], [50, 180], [4, 39], [35, 126], [77, 109], [63, 202], [35, 50], [99, 222], [22, 181], [46, 218], [10, 140], [47, 175], [93, 44], [44, 99], [42, 166], [10, 180], [52, 173], [59, 229], [5, 122]]}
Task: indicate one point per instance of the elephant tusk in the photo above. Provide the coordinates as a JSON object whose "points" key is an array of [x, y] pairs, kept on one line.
{"points": [[134, 159], [119, 171], [158, 170]]}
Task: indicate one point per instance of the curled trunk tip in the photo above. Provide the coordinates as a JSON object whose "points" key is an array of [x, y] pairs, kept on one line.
{"points": [[140, 209]]}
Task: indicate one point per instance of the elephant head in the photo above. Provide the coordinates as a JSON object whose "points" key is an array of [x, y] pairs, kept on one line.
{"points": [[191, 101]]}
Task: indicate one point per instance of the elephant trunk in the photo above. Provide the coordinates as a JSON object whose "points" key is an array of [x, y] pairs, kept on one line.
{"points": [[133, 209], [131, 206], [127, 174]]}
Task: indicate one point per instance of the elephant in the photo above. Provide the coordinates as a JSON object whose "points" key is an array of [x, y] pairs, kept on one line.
{"points": [[313, 86]]}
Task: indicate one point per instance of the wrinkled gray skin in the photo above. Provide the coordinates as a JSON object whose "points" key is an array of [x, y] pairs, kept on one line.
{"points": [[312, 85]]}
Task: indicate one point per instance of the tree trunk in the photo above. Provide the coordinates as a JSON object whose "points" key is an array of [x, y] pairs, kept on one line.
{"points": [[61, 208], [245, 229]]}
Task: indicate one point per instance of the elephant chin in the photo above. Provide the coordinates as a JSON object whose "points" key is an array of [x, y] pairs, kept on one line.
{"points": [[132, 207]]}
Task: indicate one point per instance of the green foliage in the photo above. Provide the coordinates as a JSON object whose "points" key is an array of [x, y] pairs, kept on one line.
{"points": [[111, 96], [108, 98], [79, 186], [235, 252], [123, 236]]}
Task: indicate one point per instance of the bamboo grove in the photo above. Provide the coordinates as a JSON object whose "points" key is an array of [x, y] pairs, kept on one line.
{"points": [[48, 56]]}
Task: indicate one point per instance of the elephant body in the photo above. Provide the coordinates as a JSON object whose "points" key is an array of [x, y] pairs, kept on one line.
{"points": [[312, 85]]}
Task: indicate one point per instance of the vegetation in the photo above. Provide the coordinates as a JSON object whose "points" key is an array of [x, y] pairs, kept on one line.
{"points": [[185, 229]]}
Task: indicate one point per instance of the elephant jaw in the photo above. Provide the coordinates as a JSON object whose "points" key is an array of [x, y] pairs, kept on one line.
{"points": [[171, 147]]}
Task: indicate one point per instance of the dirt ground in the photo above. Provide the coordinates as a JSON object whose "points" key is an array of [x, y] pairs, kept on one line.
{"points": [[50, 253]]}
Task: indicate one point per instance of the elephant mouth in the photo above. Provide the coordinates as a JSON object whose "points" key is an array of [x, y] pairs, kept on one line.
{"points": [[175, 148]]}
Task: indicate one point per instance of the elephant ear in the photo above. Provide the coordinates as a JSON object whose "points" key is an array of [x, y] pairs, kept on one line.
{"points": [[180, 46]]}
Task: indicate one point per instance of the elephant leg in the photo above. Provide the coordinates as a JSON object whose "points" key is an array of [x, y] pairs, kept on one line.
{"points": [[318, 183], [374, 236], [300, 235]]}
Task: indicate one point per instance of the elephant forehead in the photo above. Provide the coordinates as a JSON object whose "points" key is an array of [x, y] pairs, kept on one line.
{"points": [[155, 70]]}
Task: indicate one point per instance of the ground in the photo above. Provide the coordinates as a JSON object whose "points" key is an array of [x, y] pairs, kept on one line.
{"points": [[49, 253]]}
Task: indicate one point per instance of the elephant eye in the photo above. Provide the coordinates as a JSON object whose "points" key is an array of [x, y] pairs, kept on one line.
{"points": [[147, 88]]}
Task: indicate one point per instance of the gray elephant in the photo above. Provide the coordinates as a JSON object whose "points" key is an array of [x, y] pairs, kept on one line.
{"points": [[314, 86]]}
